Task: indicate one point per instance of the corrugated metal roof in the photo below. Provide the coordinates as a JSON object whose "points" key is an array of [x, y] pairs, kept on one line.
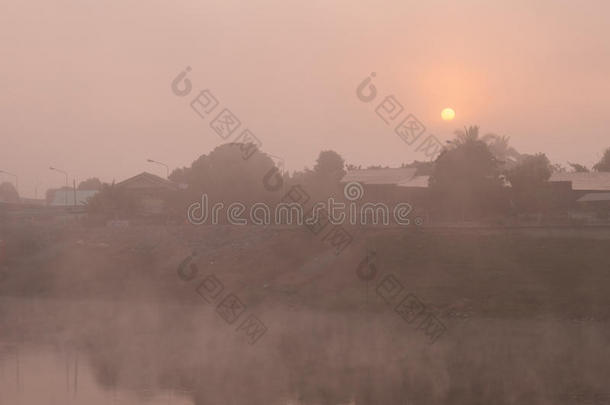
{"points": [[380, 176], [594, 197], [585, 181], [405, 177], [417, 181]]}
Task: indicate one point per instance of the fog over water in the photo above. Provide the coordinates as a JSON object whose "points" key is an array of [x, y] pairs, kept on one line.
{"points": [[271, 202], [129, 353], [330, 339]]}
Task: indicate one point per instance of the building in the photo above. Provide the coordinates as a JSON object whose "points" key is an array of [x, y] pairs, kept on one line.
{"points": [[584, 182], [151, 191], [579, 185], [564, 192], [387, 176], [598, 203], [393, 186], [389, 184]]}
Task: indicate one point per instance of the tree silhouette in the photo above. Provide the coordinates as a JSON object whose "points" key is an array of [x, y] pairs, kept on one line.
{"points": [[506, 155], [469, 134], [330, 163], [528, 180], [8, 193], [499, 146], [92, 183], [466, 178], [604, 164], [578, 168], [227, 174], [113, 202]]}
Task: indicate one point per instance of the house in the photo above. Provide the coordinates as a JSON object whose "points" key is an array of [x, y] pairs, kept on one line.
{"points": [[383, 185], [598, 203], [387, 176], [415, 189], [564, 192], [392, 186], [579, 185], [151, 191], [584, 182]]}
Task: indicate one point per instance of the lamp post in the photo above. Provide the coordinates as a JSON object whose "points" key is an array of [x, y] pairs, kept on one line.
{"points": [[66, 190], [16, 179], [162, 164]]}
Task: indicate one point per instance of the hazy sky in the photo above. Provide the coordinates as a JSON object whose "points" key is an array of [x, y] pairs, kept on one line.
{"points": [[85, 85]]}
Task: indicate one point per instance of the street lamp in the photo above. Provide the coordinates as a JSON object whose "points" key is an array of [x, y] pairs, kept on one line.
{"points": [[66, 190], [162, 164], [16, 179]]}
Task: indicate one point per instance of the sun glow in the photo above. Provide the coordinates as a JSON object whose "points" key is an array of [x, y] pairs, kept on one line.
{"points": [[448, 114]]}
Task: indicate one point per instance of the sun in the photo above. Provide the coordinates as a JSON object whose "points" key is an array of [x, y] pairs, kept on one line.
{"points": [[448, 114]]}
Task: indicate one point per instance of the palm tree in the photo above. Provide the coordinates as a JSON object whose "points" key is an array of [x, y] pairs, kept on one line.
{"points": [[604, 164], [498, 145], [469, 134]]}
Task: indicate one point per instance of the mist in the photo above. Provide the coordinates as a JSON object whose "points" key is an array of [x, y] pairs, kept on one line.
{"points": [[315, 203]]}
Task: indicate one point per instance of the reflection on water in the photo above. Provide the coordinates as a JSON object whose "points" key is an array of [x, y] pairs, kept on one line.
{"points": [[46, 376], [103, 352]]}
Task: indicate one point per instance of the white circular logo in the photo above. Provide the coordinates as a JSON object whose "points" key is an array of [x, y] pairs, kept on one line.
{"points": [[353, 191]]}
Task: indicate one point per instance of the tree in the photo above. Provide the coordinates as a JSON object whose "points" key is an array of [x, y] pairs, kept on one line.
{"points": [[92, 183], [604, 163], [324, 180], [557, 168], [330, 163], [506, 155], [578, 168], [226, 175], [529, 181], [113, 202], [466, 178], [8, 193], [532, 172], [499, 146], [178, 175], [469, 134]]}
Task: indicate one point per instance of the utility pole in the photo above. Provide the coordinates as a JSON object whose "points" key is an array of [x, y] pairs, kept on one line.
{"points": [[67, 188]]}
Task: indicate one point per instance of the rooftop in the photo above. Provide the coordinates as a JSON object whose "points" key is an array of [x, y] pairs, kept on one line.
{"points": [[591, 197], [415, 181], [380, 176], [147, 180], [599, 181]]}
